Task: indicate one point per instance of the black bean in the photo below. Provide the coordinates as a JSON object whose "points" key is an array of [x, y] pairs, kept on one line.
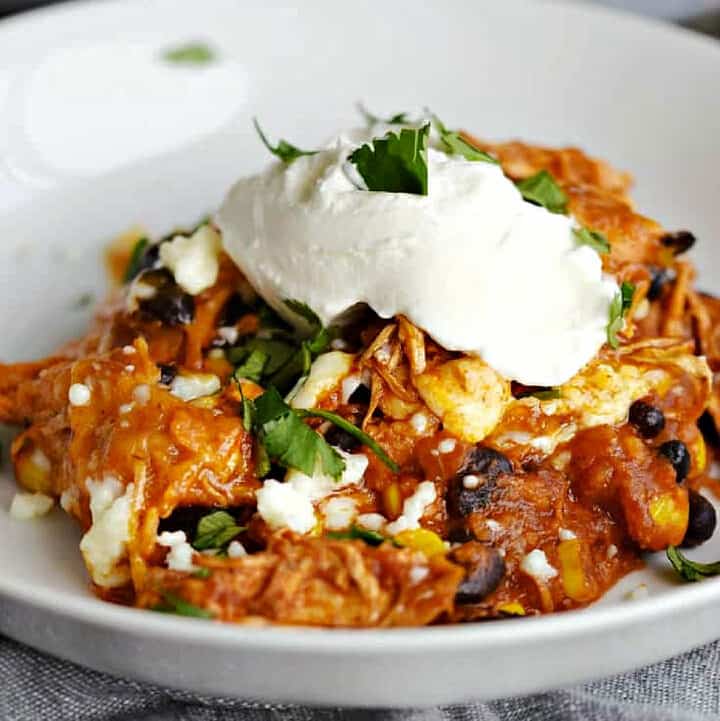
{"points": [[658, 278], [677, 453], [483, 575], [168, 371], [336, 436], [233, 310], [169, 304], [483, 466], [701, 522], [647, 419], [360, 395], [679, 242], [460, 533]]}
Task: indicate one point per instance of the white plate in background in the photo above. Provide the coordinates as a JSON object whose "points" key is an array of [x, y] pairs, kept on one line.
{"points": [[96, 134]]}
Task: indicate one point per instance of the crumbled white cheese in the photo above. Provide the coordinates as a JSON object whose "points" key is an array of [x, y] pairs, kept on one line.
{"points": [[320, 485], [471, 482], [371, 521], [280, 505], [104, 545], [79, 394], [638, 593], [130, 368], [414, 508], [447, 445], [139, 290], [69, 499], [565, 534], [349, 386], [190, 386], [193, 261], [236, 550], [339, 513], [125, 408], [229, 334], [535, 564], [141, 394], [128, 349], [25, 506], [612, 551], [419, 422], [326, 373], [180, 555], [493, 526], [419, 573]]}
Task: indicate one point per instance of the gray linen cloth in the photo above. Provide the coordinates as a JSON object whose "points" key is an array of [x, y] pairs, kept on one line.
{"points": [[34, 686], [686, 688]]}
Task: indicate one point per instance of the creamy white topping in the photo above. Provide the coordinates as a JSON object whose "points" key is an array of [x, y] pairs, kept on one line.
{"points": [[472, 263], [25, 506], [194, 260]]}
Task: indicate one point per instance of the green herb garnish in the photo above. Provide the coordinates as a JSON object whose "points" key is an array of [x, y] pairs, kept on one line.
{"points": [[174, 604], [190, 54], [372, 538], [216, 530], [283, 150], [289, 441], [691, 570], [135, 263], [354, 431], [455, 144], [547, 394], [618, 307], [396, 163], [252, 367], [371, 119], [594, 238], [542, 189], [202, 572]]}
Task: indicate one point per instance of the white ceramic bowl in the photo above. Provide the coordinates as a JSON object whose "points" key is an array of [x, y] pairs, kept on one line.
{"points": [[97, 134]]}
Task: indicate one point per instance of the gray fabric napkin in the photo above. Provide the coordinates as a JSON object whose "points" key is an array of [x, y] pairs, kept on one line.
{"points": [[34, 686]]}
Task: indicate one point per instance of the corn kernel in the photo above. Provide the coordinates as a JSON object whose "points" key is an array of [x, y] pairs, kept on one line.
{"points": [[665, 512], [700, 454], [420, 539], [392, 500], [572, 573], [513, 608]]}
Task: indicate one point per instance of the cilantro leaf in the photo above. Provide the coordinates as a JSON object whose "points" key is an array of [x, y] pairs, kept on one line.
{"points": [[618, 306], [252, 367], [216, 530], [396, 163], [190, 54], [283, 150], [691, 570], [542, 189], [134, 265], [277, 353], [174, 604], [372, 538], [371, 119], [455, 144], [355, 432], [594, 238], [304, 311], [289, 441], [547, 394]]}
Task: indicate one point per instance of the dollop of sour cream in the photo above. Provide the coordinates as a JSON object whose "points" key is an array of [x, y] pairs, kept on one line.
{"points": [[472, 263]]}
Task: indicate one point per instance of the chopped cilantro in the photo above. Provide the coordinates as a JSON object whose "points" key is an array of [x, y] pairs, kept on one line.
{"points": [[289, 441], [355, 432], [618, 307], [216, 530], [372, 538], [594, 238], [691, 570], [202, 572], [174, 604], [547, 394], [542, 189], [252, 367], [283, 150], [455, 144], [190, 54], [371, 119], [135, 263], [396, 163], [304, 311]]}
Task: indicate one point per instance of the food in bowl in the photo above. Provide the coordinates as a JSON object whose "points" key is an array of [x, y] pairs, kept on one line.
{"points": [[409, 378]]}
